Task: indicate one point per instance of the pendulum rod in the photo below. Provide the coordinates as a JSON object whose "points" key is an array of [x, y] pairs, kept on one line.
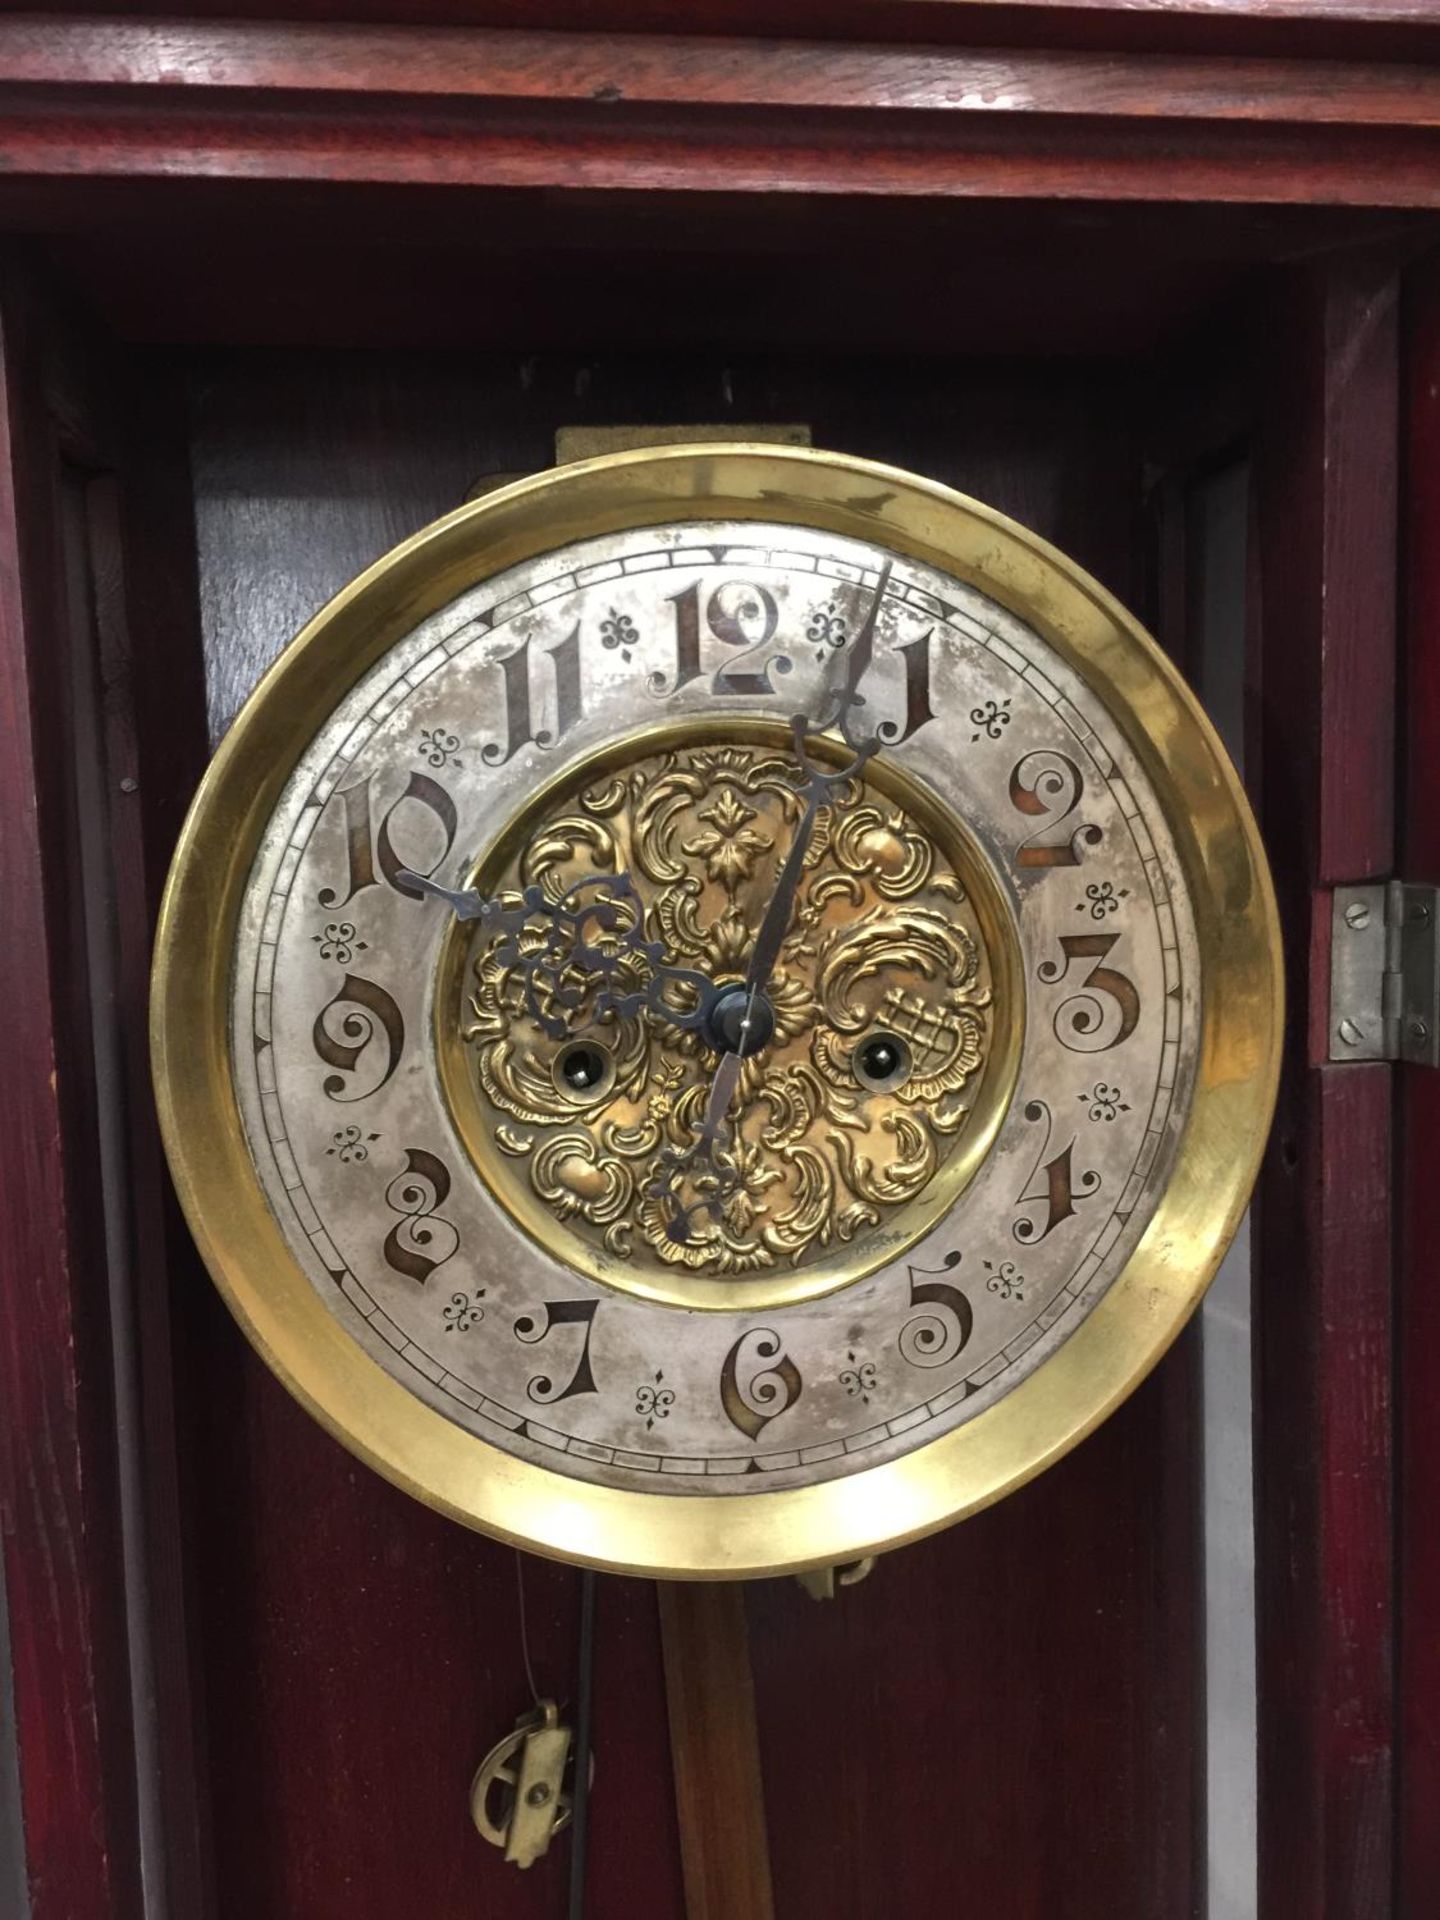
{"points": [[715, 1750], [580, 1792]]}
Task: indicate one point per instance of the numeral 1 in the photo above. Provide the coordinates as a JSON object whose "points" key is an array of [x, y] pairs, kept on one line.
{"points": [[519, 720], [728, 607], [363, 846]]}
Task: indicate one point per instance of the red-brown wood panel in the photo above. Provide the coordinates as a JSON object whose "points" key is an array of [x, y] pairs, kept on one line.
{"points": [[1351, 29], [360, 1652], [661, 112], [58, 1490], [1327, 554], [1005, 1715], [1418, 1301], [1002, 1719], [103, 551]]}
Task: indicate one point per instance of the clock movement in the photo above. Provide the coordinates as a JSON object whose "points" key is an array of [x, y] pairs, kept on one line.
{"points": [[717, 1010]]}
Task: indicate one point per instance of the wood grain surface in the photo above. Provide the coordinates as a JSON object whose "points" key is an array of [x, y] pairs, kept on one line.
{"points": [[1351, 29], [1009, 1708], [1326, 467], [59, 1495], [240, 262], [160, 61], [99, 99], [1417, 1300], [106, 1709], [1084, 179], [715, 1751]]}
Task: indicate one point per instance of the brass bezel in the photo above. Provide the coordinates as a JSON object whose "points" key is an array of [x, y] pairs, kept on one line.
{"points": [[1053, 1408], [993, 1092]]}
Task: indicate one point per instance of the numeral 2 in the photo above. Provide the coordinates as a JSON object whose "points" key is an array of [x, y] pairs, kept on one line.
{"points": [[1046, 782]]}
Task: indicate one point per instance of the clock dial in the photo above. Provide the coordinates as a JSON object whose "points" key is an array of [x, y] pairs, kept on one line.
{"points": [[533, 1168], [490, 1229]]}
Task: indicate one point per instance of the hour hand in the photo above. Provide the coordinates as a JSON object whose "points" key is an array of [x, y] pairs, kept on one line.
{"points": [[696, 994], [593, 903], [593, 899], [682, 996]]}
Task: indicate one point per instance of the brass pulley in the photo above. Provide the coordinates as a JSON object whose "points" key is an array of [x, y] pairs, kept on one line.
{"points": [[518, 1799]]}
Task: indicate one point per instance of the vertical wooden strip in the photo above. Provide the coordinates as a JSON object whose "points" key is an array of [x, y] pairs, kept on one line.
{"points": [[1418, 1298], [58, 1491], [1326, 475], [152, 748], [715, 1751]]}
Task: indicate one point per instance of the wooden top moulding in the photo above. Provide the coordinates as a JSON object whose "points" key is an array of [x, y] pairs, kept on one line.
{"points": [[446, 107]]}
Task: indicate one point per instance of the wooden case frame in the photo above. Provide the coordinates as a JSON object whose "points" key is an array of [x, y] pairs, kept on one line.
{"points": [[1297, 141]]}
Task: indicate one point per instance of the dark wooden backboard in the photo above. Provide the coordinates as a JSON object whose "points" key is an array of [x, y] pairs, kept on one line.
{"points": [[1073, 1602]]}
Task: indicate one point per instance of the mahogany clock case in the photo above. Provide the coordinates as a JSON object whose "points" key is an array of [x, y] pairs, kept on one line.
{"points": [[220, 404]]}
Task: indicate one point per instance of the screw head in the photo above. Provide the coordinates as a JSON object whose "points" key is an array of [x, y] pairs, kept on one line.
{"points": [[1357, 915], [539, 1795], [1350, 1033], [1419, 1032]]}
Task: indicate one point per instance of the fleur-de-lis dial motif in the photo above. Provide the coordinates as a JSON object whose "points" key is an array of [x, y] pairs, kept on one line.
{"points": [[653, 1399], [859, 1378], [991, 719], [439, 747], [619, 630], [339, 941]]}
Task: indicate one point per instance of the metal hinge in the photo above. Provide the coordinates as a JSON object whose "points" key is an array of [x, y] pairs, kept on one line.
{"points": [[1385, 973]]}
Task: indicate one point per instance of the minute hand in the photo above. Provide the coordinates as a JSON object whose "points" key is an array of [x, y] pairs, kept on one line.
{"points": [[822, 784]]}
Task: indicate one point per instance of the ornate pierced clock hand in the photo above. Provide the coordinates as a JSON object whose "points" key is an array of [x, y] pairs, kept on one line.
{"points": [[568, 947], [559, 945], [748, 1035], [857, 657]]}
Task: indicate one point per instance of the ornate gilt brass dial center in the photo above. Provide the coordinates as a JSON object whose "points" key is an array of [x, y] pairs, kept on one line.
{"points": [[873, 1066]]}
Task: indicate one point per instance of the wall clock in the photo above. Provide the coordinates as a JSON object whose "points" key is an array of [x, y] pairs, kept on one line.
{"points": [[717, 1010]]}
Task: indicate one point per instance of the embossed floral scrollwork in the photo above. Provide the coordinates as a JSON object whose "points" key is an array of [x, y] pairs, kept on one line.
{"points": [[573, 1172], [882, 937]]}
